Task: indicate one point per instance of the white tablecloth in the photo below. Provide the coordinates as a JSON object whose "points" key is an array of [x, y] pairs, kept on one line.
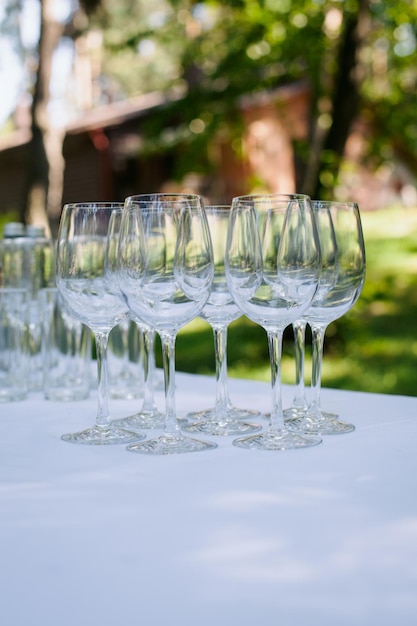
{"points": [[99, 536]]}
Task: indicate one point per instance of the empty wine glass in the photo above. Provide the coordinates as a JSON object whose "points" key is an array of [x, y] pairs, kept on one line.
{"points": [[272, 267], [328, 276], [165, 274], [85, 257], [331, 304], [299, 403], [219, 311], [125, 357], [148, 416]]}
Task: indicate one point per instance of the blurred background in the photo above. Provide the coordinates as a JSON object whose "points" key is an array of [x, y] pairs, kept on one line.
{"points": [[104, 98]]}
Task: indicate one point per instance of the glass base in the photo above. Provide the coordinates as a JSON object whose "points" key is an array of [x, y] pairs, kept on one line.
{"points": [[12, 395], [295, 412], [283, 439], [323, 424], [63, 394], [125, 393], [221, 427], [103, 435], [233, 413], [171, 445], [142, 420]]}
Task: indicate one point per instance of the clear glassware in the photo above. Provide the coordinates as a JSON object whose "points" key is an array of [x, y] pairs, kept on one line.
{"points": [[219, 311], [27, 261], [328, 275], [85, 264], [332, 303], [149, 416], [125, 361], [272, 266], [299, 404], [165, 273], [14, 366], [66, 350]]}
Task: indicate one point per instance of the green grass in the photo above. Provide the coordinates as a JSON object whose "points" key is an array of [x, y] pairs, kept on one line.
{"points": [[372, 348]]}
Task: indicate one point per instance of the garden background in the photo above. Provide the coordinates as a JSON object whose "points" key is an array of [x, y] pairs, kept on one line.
{"points": [[314, 96]]}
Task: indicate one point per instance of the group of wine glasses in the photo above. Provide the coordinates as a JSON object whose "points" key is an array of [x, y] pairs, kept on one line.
{"points": [[164, 259]]}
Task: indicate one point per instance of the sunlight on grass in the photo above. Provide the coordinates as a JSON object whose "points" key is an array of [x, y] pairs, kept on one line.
{"points": [[391, 239], [389, 223]]}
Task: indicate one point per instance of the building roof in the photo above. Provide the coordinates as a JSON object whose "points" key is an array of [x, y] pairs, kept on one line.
{"points": [[121, 111], [115, 113], [103, 116]]}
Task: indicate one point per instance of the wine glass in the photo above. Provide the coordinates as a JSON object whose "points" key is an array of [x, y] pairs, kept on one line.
{"points": [[331, 304], [328, 276], [165, 273], [125, 357], [149, 416], [85, 256], [299, 403], [219, 311], [272, 267]]}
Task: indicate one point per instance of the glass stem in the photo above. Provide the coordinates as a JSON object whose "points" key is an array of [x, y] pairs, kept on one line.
{"points": [[299, 328], [103, 417], [172, 428], [124, 331], [70, 341], [276, 422], [148, 368], [317, 331], [220, 352]]}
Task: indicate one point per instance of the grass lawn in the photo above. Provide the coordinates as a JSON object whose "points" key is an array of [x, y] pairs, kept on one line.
{"points": [[372, 348]]}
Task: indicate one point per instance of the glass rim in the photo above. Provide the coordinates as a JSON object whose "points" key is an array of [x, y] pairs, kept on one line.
{"points": [[336, 203], [271, 196], [151, 197], [94, 205], [218, 206]]}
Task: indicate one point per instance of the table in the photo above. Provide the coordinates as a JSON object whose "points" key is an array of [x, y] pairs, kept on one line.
{"points": [[99, 536]]}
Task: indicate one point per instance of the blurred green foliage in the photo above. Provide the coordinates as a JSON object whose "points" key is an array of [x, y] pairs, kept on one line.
{"points": [[6, 217], [221, 50]]}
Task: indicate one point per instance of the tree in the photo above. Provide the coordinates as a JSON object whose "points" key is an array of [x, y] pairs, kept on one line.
{"points": [[225, 50], [359, 56], [343, 97], [45, 164]]}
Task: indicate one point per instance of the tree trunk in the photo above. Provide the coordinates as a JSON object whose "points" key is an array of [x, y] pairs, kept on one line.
{"points": [[45, 165], [328, 148]]}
